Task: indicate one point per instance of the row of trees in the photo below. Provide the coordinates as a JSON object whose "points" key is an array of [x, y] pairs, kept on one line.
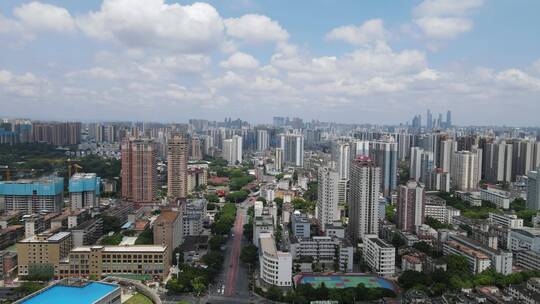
{"points": [[224, 219], [305, 293], [458, 276]]}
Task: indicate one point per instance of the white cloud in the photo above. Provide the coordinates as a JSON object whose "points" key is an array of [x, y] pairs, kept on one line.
{"points": [[22, 85], [443, 28], [445, 19], [240, 60], [369, 32], [256, 29], [37, 16], [155, 24], [446, 7], [518, 79]]}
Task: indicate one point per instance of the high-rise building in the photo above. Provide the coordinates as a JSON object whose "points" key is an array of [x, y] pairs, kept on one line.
{"points": [[498, 162], [84, 190], [195, 149], [327, 199], [263, 141], [278, 161], [32, 196], [341, 156], [415, 163], [293, 149], [448, 119], [410, 207], [446, 148], [533, 190], [384, 153], [465, 170], [232, 150], [363, 200], [139, 170], [523, 158], [177, 158], [404, 145]]}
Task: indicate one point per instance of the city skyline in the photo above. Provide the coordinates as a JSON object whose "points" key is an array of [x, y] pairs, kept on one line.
{"points": [[377, 63]]}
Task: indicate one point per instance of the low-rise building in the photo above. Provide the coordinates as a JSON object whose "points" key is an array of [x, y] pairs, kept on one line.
{"points": [[479, 256], [100, 261], [379, 255], [42, 253], [525, 239], [498, 197], [275, 266], [300, 225], [88, 232], [335, 229], [507, 220], [324, 250], [527, 259], [263, 222]]}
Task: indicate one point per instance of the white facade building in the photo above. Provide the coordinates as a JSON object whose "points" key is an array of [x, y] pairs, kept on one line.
{"points": [[275, 266], [327, 197], [379, 255]]}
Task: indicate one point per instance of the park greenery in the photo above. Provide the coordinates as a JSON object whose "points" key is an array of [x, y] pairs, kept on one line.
{"points": [[519, 206], [467, 210], [390, 212], [311, 192], [42, 158], [436, 224], [305, 293]]}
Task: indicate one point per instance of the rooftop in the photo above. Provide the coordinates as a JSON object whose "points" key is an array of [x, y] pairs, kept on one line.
{"points": [[123, 248], [60, 294]]}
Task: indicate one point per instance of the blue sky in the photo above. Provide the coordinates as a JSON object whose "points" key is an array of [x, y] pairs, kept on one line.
{"points": [[350, 61]]}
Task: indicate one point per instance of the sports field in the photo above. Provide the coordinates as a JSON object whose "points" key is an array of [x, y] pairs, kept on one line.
{"points": [[344, 281]]}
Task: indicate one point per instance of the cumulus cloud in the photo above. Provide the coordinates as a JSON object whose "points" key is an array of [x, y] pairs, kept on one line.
{"points": [[445, 19], [367, 33], [155, 24], [240, 60], [21, 85], [38, 16], [444, 28], [253, 28]]}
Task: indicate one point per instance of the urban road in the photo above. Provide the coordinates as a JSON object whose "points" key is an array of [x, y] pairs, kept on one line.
{"points": [[232, 285]]}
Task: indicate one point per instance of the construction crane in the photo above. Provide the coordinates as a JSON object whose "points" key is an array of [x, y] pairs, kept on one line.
{"points": [[73, 165], [7, 171]]}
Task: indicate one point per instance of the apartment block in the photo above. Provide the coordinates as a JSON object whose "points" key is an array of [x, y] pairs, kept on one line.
{"points": [[379, 255]]}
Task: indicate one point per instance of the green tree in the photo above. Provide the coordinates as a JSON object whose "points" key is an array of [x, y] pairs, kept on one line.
{"points": [[199, 285], [249, 255], [146, 237], [273, 293]]}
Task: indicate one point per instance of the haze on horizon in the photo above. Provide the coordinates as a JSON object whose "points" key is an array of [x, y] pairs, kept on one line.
{"points": [[379, 62]]}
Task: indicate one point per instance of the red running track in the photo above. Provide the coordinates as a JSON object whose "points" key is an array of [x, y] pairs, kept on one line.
{"points": [[230, 286]]}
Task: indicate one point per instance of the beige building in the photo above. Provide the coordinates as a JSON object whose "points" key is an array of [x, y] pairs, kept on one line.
{"points": [[42, 253], [465, 172], [110, 260], [177, 158], [169, 229]]}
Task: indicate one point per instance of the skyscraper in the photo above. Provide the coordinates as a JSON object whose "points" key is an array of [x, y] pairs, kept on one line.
{"points": [[410, 207], [429, 120], [139, 170], [363, 200], [196, 149], [448, 119], [446, 148], [177, 158], [293, 149], [384, 153], [465, 172], [327, 197], [262, 140]]}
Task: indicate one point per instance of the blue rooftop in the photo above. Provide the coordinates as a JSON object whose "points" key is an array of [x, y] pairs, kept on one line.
{"points": [[44, 186], [60, 294], [81, 182]]}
